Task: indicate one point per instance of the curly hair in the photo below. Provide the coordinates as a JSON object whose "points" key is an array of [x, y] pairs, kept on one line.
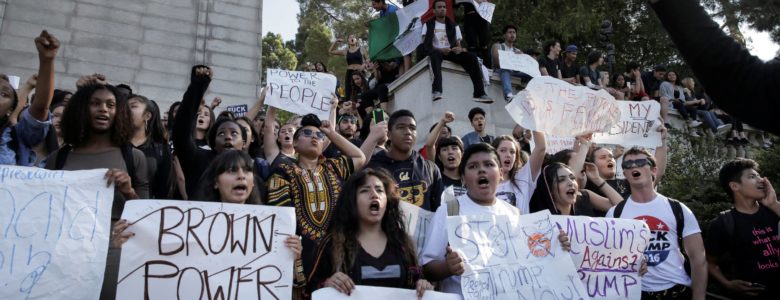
{"points": [[346, 222], [76, 121]]}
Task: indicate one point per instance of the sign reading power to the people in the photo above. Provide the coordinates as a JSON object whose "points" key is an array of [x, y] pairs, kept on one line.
{"points": [[300, 92]]}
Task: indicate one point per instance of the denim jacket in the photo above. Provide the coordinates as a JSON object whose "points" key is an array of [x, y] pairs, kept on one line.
{"points": [[29, 132]]}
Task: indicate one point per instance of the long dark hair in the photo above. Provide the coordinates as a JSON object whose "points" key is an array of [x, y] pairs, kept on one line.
{"points": [[76, 123], [154, 128], [255, 148], [226, 161], [172, 109], [212, 133], [14, 102], [346, 223], [544, 194]]}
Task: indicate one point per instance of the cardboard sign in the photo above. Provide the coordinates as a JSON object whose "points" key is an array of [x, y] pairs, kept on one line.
{"points": [[511, 258], [509, 60], [54, 232], [238, 110], [363, 292], [418, 222], [206, 250], [555, 143], [556, 107], [608, 254], [300, 92], [638, 125]]}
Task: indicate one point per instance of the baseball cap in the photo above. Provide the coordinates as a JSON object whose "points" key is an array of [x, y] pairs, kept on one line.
{"points": [[660, 68], [571, 48]]}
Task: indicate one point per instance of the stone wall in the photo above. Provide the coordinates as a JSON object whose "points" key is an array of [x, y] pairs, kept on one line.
{"points": [[150, 45]]}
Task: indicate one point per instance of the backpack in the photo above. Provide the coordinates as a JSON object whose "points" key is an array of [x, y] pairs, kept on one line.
{"points": [[127, 156], [679, 219]]}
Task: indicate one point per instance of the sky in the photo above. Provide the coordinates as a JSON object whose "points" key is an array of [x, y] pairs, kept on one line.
{"points": [[281, 16]]}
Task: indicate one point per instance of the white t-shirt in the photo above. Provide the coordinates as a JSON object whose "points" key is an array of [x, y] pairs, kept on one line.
{"points": [[436, 244], [440, 40], [519, 194], [665, 261]]}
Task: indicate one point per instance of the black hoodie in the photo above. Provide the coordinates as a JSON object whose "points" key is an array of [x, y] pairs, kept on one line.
{"points": [[419, 180]]}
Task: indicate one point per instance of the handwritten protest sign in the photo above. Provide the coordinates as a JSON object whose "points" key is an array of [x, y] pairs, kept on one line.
{"points": [[363, 292], [206, 250], [300, 92], [238, 110], [555, 143], [513, 258], [607, 253], [54, 228], [637, 126], [519, 62], [559, 108], [417, 221], [484, 9]]}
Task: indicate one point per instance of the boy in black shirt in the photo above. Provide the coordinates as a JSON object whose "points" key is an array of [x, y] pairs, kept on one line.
{"points": [[747, 233]]}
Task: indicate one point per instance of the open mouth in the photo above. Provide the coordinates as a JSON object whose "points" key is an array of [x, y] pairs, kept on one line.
{"points": [[571, 192], [761, 187], [228, 146], [507, 163], [450, 158], [201, 122], [241, 188], [373, 208], [483, 182], [610, 165], [636, 174]]}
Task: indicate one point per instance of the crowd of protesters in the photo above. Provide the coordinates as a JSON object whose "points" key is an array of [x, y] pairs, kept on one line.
{"points": [[346, 176]]}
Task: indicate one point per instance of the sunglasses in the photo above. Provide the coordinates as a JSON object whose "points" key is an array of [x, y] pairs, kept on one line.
{"points": [[636, 163], [311, 133]]}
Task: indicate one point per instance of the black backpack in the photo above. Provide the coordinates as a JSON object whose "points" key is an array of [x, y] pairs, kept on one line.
{"points": [[127, 156], [679, 219]]}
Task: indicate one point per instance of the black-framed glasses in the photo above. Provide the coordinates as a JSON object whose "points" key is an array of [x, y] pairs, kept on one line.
{"points": [[311, 133], [636, 163]]}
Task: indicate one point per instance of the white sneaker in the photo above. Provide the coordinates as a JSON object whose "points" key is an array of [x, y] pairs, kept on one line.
{"points": [[694, 123], [508, 97], [723, 129], [695, 134]]}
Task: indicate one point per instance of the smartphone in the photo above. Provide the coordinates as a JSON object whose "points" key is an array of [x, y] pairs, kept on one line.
{"points": [[377, 115]]}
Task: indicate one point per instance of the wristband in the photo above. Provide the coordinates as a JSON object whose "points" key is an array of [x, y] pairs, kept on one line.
{"points": [[602, 184]]}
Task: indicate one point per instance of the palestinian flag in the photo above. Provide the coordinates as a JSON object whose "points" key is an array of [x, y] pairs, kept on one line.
{"points": [[399, 33]]}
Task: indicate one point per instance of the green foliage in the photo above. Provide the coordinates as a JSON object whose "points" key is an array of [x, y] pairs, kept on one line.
{"points": [[276, 55], [692, 174]]}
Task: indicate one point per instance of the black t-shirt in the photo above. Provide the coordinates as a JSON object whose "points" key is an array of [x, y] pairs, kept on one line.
{"points": [[457, 185], [651, 84], [550, 64], [754, 248], [568, 71], [332, 151]]}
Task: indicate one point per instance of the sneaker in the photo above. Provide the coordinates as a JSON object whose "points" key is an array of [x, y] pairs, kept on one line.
{"points": [[508, 97], [694, 123], [483, 99], [695, 134], [436, 96], [723, 129]]}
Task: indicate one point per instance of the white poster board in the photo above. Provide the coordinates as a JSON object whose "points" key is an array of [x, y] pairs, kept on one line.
{"points": [[185, 248], [511, 258], [418, 223], [510, 60], [607, 254], [638, 125], [556, 107], [555, 143], [363, 292], [300, 92], [54, 232], [484, 9]]}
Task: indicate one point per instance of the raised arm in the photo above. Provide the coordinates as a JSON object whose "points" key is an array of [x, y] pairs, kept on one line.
{"points": [[255, 109], [750, 90], [334, 51], [660, 154], [536, 158], [270, 147], [346, 147], [47, 46], [378, 132], [433, 136], [183, 141]]}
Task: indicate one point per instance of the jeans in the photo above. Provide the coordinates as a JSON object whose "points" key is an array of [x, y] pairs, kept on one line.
{"points": [[709, 118], [467, 60], [506, 79]]}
